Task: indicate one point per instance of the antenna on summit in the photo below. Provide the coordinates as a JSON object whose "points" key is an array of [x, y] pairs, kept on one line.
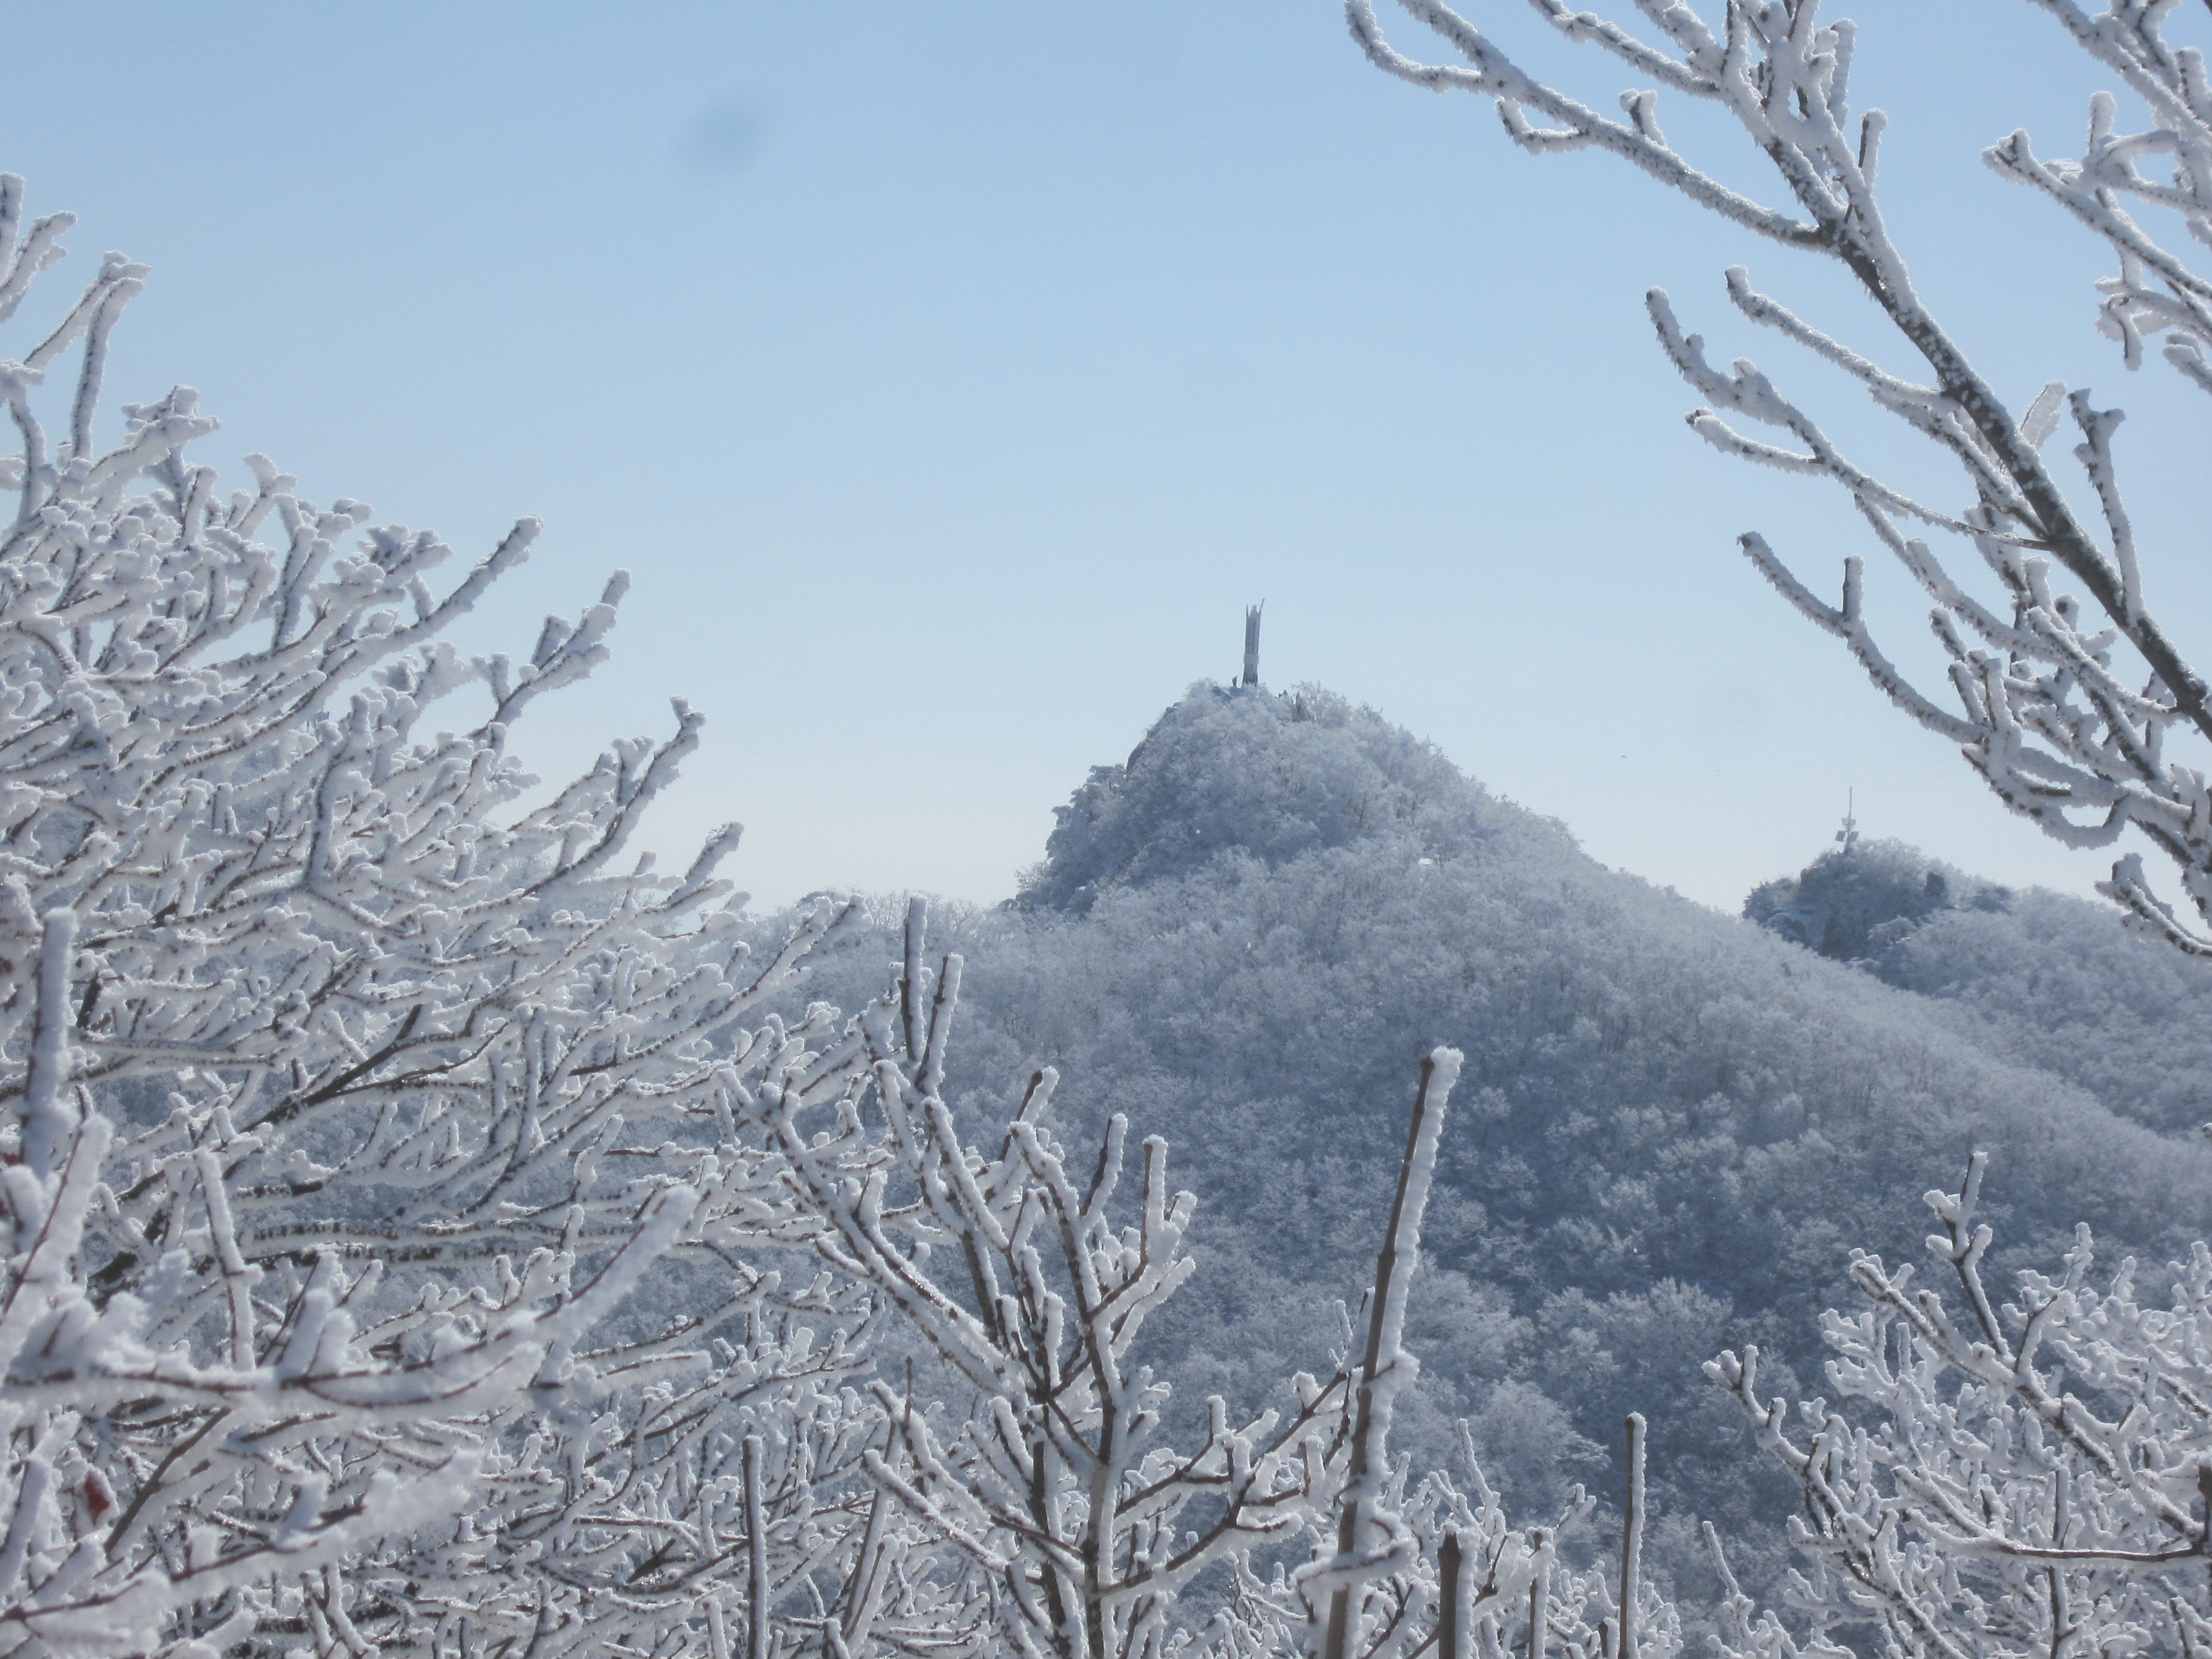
{"points": [[1252, 642], [1849, 834]]}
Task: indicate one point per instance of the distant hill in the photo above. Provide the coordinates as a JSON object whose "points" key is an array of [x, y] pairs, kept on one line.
{"points": [[1852, 906], [1674, 1124], [2036, 978]]}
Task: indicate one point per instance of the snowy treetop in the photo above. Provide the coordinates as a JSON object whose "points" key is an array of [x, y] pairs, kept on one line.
{"points": [[1270, 776]]}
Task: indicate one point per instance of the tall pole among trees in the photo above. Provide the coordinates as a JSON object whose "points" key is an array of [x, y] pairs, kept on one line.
{"points": [[1252, 642]]}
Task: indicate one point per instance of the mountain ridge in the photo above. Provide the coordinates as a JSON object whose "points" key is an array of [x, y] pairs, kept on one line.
{"points": [[1674, 1126]]}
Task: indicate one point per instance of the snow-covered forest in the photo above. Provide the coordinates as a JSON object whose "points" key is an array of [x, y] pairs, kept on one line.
{"points": [[1323, 1212]]}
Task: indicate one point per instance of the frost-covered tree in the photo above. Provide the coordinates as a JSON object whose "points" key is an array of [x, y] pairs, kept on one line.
{"points": [[1044, 1449], [380, 1262], [2066, 705], [1055, 1483], [1444, 1561], [1058, 1482], [1999, 1479]]}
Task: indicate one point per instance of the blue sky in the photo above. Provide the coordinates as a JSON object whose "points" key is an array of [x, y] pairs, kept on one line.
{"points": [[950, 377]]}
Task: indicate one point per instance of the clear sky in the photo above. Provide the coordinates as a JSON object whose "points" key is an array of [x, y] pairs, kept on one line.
{"points": [[951, 376]]}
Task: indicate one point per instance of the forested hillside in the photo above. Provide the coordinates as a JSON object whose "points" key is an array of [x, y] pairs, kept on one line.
{"points": [[1674, 1125]]}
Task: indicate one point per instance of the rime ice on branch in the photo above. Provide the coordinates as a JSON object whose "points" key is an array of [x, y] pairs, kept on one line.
{"points": [[2031, 1477], [1059, 1483], [354, 1109], [1057, 1486], [2066, 706]]}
